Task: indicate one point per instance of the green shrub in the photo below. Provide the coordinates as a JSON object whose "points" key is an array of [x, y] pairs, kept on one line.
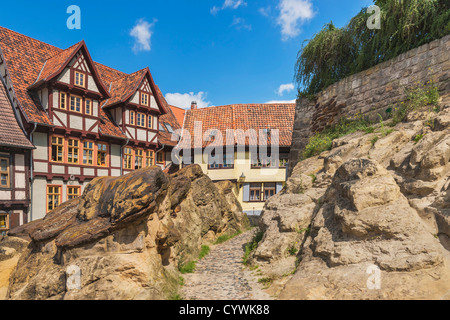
{"points": [[304, 230], [417, 97], [188, 267], [204, 252], [323, 141], [265, 281], [226, 237], [319, 143], [292, 250], [374, 140], [418, 137], [251, 246]]}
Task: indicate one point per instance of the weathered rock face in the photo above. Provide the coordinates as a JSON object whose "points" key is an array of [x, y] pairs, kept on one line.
{"points": [[125, 237], [361, 207], [365, 218]]}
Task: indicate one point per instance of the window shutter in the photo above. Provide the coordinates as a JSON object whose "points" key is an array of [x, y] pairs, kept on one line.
{"points": [[279, 187], [246, 192]]}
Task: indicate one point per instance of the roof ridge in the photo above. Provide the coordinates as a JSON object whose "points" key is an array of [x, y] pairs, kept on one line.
{"points": [[127, 75], [28, 37], [244, 105], [172, 106]]}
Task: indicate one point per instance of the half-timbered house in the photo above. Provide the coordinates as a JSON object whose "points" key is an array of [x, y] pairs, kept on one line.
{"points": [[85, 119]]}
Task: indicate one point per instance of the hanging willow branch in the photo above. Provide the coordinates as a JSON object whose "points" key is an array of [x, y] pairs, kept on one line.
{"points": [[336, 53]]}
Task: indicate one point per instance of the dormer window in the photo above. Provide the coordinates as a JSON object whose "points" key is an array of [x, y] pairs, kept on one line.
{"points": [[169, 127], [144, 99], [80, 80]]}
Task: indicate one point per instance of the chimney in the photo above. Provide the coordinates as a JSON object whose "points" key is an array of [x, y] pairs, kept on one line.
{"points": [[194, 105]]}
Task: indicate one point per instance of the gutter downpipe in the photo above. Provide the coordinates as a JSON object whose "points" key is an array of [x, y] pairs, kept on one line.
{"points": [[121, 156], [31, 173]]}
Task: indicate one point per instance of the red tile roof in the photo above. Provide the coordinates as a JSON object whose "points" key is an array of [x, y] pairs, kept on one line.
{"points": [[24, 59], [179, 114], [10, 132], [242, 117]]}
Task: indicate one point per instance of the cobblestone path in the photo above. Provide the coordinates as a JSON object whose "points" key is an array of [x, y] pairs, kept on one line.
{"points": [[222, 276]]}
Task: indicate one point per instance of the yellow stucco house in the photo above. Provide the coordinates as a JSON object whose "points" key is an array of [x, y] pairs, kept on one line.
{"points": [[246, 144]]}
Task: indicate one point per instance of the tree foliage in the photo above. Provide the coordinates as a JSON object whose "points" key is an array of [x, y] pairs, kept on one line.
{"points": [[335, 53]]}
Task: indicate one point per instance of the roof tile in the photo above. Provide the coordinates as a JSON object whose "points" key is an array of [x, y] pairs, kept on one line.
{"points": [[241, 118], [10, 132]]}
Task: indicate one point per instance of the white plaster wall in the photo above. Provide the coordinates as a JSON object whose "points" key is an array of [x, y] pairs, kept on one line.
{"points": [[115, 172], [88, 171], [74, 170], [19, 180], [39, 199], [135, 98], [55, 99], [65, 76], [141, 134], [40, 140], [5, 195], [155, 123], [40, 167], [151, 135], [102, 173], [95, 103], [90, 123], [62, 116], [57, 169], [20, 195], [76, 122], [115, 155], [92, 85], [153, 103], [131, 133], [20, 162]]}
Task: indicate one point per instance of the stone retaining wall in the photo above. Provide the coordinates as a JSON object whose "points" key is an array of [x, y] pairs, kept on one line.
{"points": [[370, 92]]}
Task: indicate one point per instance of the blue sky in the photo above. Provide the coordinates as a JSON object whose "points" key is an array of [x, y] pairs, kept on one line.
{"points": [[216, 52]]}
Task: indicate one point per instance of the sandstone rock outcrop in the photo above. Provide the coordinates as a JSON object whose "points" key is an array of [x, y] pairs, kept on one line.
{"points": [[124, 238], [367, 205]]}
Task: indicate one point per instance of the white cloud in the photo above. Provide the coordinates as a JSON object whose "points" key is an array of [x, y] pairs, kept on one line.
{"points": [[142, 33], [281, 101], [265, 11], [293, 13], [239, 23], [285, 88], [184, 100], [233, 4]]}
